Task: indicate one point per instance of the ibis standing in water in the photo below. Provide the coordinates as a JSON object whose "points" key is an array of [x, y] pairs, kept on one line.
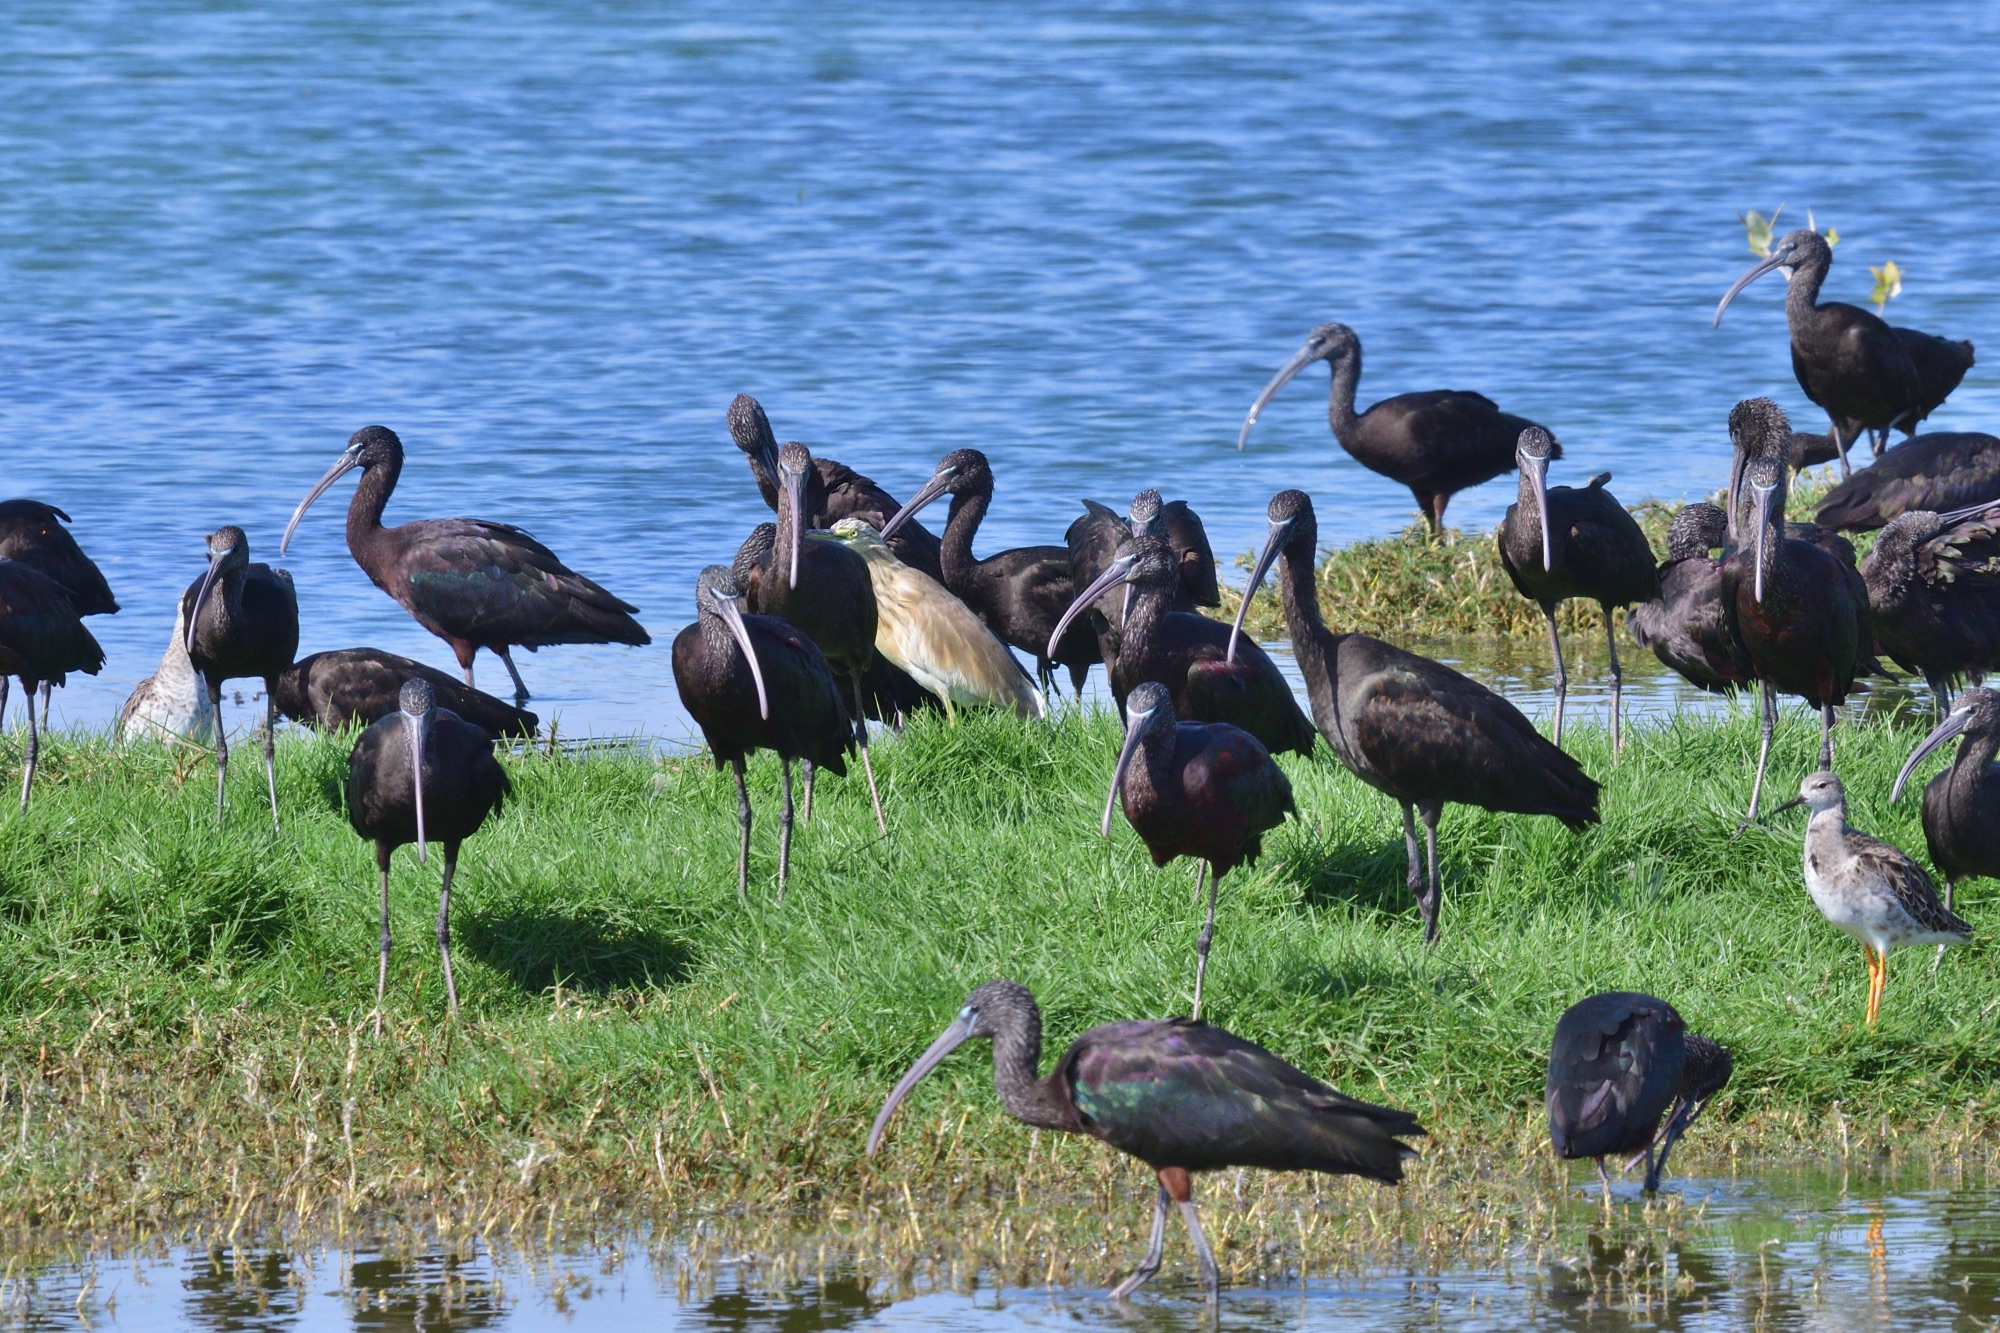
{"points": [[1862, 372], [422, 774], [1619, 1062], [1933, 585], [1207, 791], [1437, 442], [1962, 804], [1564, 543], [1409, 727], [41, 639], [1938, 472], [1177, 1094], [472, 583], [758, 683], [33, 534], [1021, 593], [242, 620], [1866, 888], [328, 691], [1685, 626]]}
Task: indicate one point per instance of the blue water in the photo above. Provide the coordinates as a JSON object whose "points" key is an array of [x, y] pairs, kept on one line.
{"points": [[548, 242]]}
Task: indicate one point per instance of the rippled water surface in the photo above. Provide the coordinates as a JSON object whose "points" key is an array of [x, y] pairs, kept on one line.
{"points": [[547, 243]]}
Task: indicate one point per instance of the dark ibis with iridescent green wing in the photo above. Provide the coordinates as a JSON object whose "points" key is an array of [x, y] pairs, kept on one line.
{"points": [[33, 534], [1939, 472], [1411, 728], [1204, 790], [472, 583], [242, 620], [420, 775], [331, 690], [41, 639], [1178, 1094]]}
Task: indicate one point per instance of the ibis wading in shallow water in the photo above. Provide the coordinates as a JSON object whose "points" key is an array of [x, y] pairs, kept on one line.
{"points": [[1409, 727], [1176, 1093], [1962, 804], [472, 583], [421, 775], [1564, 543], [1619, 1061], [1437, 442], [1204, 790], [242, 620], [41, 638], [32, 534]]}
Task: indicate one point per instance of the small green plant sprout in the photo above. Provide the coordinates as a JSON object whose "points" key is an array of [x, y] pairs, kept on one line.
{"points": [[1888, 283], [1758, 230]]}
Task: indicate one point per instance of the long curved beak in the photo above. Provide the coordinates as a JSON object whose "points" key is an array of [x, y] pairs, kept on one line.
{"points": [[1739, 463], [793, 498], [1683, 1115], [1135, 734], [419, 726], [1274, 542], [1538, 468], [1763, 523], [948, 1041], [1119, 571], [1776, 260], [1302, 358], [1954, 723], [931, 490], [732, 616], [349, 460], [201, 595]]}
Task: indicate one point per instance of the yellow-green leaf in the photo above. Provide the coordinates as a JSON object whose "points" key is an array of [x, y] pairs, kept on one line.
{"points": [[1888, 283], [1757, 229]]}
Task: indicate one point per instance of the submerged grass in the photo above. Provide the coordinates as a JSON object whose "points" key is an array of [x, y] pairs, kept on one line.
{"points": [[184, 1037]]}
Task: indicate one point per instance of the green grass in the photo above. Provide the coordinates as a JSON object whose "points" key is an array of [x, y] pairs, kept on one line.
{"points": [[183, 1009]]}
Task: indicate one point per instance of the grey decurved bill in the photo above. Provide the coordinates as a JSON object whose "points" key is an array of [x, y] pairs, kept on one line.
{"points": [[1119, 571], [1274, 541], [349, 460], [931, 490], [1302, 358], [200, 597], [1776, 260], [732, 616], [419, 727], [1954, 723], [948, 1041], [1135, 730]]}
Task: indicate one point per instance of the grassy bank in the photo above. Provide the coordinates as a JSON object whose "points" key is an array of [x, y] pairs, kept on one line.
{"points": [[185, 1039]]}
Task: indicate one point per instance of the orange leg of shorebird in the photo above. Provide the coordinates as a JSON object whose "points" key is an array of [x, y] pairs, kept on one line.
{"points": [[1878, 973]]}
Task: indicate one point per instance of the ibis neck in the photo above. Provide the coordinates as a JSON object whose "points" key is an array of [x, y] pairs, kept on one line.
{"points": [[1802, 291], [1017, 1056], [371, 498], [968, 511], [1340, 398], [1975, 757]]}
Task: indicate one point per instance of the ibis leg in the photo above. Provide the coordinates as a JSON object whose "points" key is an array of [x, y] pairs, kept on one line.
{"points": [[1428, 904], [221, 745], [34, 748], [1950, 891], [1840, 443], [1203, 940], [520, 686], [806, 770], [47, 689], [1414, 879], [271, 753], [1617, 680], [467, 664], [861, 735], [1151, 1263], [444, 926], [4, 685], [1211, 1276], [784, 828], [382, 964], [1604, 1178], [1562, 676], [1826, 737], [1769, 702], [743, 822]]}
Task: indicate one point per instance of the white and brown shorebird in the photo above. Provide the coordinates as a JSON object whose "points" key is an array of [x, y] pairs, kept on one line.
{"points": [[1866, 887]]}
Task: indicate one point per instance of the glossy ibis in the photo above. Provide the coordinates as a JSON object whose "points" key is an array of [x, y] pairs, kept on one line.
{"points": [[1211, 674], [757, 683], [1939, 472], [1409, 727], [41, 639], [32, 533], [833, 490], [1686, 626], [1618, 1062], [1100, 536], [418, 774], [1021, 593], [172, 703], [1849, 360], [1564, 543], [1962, 804], [1437, 442], [1934, 595], [1179, 1095], [1867, 888], [331, 690], [934, 637], [1800, 614], [242, 620], [1204, 790], [472, 583]]}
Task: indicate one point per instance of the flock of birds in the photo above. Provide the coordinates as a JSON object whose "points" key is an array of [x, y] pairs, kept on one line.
{"points": [[846, 609]]}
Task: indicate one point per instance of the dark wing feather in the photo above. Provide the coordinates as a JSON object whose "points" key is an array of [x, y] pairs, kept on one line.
{"points": [[492, 583], [1192, 552], [41, 637], [1614, 1066], [32, 533], [1940, 472]]}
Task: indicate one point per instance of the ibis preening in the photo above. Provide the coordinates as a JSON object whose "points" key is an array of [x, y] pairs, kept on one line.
{"points": [[422, 774], [1934, 595], [41, 639], [472, 583], [758, 683], [172, 703], [934, 637], [1685, 626], [1564, 543], [242, 620], [1866, 888], [1409, 727], [1437, 442], [1938, 472], [330, 690], [1865, 374], [1020, 593], [1207, 791], [1177, 1094], [1962, 804], [32, 533], [833, 490], [1621, 1061], [1212, 674]]}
